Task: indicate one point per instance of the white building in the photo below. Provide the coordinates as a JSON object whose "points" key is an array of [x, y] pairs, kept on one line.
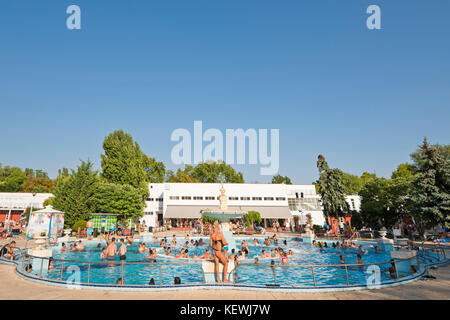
{"points": [[272, 201], [14, 204], [354, 202]]}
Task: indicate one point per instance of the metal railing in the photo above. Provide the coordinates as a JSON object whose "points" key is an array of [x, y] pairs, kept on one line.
{"points": [[61, 265]]}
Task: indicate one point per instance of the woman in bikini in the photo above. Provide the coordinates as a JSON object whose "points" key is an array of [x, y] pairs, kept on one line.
{"points": [[217, 243]]}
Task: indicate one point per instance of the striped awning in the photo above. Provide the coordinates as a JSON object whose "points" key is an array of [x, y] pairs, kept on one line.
{"points": [[194, 212]]}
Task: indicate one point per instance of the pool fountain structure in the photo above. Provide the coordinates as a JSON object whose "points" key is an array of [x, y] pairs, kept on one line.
{"points": [[223, 215]]}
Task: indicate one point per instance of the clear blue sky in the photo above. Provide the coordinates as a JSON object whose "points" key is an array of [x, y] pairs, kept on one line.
{"points": [[365, 99]]}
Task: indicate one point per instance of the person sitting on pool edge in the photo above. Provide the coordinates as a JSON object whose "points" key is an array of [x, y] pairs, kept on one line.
{"points": [[218, 243]]}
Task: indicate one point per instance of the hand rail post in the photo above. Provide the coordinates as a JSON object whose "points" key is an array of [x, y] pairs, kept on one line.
{"points": [[314, 277], [410, 269], [42, 265], [62, 270], [160, 275], [346, 275], [89, 273], [396, 270], [122, 273]]}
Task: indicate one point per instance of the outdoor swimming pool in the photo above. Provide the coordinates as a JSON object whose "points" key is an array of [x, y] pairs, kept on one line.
{"points": [[309, 267]]}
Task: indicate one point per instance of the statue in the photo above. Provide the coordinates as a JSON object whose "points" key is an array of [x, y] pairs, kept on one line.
{"points": [[223, 200]]}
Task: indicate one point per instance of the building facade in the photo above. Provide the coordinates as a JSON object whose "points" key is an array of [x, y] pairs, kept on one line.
{"points": [[273, 201], [14, 204]]}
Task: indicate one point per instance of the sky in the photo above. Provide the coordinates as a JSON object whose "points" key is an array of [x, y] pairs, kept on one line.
{"points": [[363, 98]]}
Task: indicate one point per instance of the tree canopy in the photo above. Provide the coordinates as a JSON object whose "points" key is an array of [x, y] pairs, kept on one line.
{"points": [[76, 195], [278, 179], [206, 172], [430, 195], [331, 190]]}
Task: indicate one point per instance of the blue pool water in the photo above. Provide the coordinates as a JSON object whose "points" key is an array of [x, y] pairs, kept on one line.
{"points": [[189, 270]]}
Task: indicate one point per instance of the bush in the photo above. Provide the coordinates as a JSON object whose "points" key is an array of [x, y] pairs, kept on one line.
{"points": [[79, 224], [316, 227]]}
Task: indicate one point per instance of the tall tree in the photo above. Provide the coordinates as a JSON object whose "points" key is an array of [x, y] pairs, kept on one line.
{"points": [[278, 179], [155, 170], [181, 176], [384, 201], [76, 195], [404, 170], [431, 188], [12, 179], [123, 161], [122, 199], [331, 190], [39, 185], [214, 172]]}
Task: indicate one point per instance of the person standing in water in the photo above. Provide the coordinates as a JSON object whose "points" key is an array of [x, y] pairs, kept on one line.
{"points": [[217, 243], [123, 250]]}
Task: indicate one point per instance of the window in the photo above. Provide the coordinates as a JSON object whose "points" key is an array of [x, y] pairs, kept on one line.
{"points": [[233, 198], [198, 198], [149, 199], [186, 198], [245, 198], [174, 198], [281, 199], [257, 198], [268, 198], [159, 199], [209, 198]]}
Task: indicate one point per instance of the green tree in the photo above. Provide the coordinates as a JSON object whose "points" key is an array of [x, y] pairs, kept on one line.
{"points": [[12, 179], [430, 194], [38, 185], [278, 179], [180, 176], [404, 170], [155, 170], [252, 217], [122, 199], [331, 190], [76, 195], [213, 172], [384, 202], [351, 183], [123, 161]]}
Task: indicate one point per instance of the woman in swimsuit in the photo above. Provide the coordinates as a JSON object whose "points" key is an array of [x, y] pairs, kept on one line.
{"points": [[217, 243]]}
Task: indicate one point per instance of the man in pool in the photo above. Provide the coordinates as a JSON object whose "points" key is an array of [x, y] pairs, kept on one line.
{"points": [[123, 250], [104, 253], [341, 259], [63, 247], [111, 249], [130, 240], [264, 254], [174, 241], [79, 246], [206, 255]]}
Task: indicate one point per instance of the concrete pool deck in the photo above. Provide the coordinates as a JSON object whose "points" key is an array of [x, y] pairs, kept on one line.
{"points": [[12, 286]]}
